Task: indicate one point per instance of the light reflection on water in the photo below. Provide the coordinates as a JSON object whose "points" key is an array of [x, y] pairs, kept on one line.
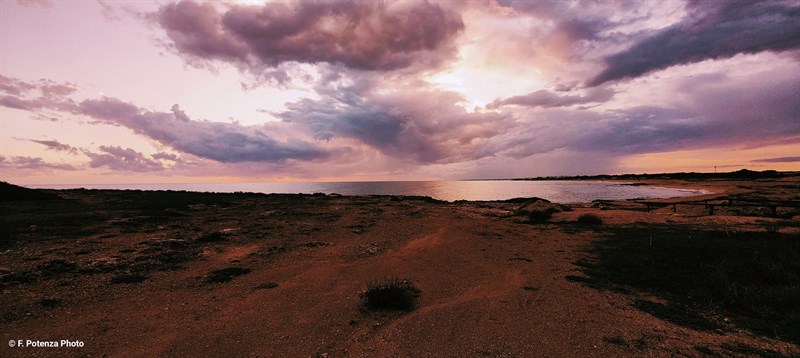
{"points": [[555, 190]]}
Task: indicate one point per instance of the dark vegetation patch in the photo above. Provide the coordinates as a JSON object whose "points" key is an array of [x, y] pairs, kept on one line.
{"points": [[57, 267], [267, 286], [49, 302], [541, 215], [128, 278], [390, 295], [703, 276], [679, 313], [530, 288], [707, 351], [590, 219], [524, 259], [317, 244], [616, 340], [47, 220], [18, 277], [226, 274], [214, 236], [746, 350], [11, 192]]}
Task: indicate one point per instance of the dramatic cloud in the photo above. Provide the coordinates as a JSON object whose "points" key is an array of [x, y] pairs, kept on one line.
{"points": [[383, 89], [545, 99], [759, 110], [364, 35], [425, 126], [123, 159], [777, 160], [224, 142], [719, 29]]}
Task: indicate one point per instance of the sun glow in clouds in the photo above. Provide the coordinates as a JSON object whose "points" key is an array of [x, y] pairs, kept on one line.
{"points": [[481, 85]]}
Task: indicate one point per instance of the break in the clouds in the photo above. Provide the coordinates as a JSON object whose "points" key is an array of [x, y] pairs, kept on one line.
{"points": [[714, 29], [411, 89], [363, 35]]}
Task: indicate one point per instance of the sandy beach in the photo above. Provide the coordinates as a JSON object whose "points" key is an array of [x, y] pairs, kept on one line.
{"points": [[132, 273]]}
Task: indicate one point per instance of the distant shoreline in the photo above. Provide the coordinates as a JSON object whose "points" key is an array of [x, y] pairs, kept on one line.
{"points": [[740, 174]]}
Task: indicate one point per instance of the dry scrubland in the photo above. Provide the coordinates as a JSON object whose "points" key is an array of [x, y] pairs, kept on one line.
{"points": [[135, 273]]}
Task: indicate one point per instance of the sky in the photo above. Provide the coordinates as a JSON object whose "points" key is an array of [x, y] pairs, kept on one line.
{"points": [[241, 91]]}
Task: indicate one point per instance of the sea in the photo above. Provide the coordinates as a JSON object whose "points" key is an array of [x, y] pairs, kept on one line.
{"points": [[559, 191]]}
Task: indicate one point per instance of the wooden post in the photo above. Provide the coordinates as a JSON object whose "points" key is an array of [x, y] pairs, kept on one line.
{"points": [[710, 209], [673, 207]]}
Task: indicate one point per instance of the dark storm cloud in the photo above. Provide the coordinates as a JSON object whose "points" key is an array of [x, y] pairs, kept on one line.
{"points": [[363, 35], [122, 159], [731, 111], [224, 142], [545, 99], [424, 127], [777, 160], [718, 29]]}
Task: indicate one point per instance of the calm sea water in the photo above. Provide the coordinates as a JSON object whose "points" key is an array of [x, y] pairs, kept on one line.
{"points": [[556, 191]]}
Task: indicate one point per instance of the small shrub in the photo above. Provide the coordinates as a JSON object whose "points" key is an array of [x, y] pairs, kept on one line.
{"points": [[391, 295], [590, 219], [226, 274], [539, 216]]}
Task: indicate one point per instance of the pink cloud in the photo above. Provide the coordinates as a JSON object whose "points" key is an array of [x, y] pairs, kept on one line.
{"points": [[362, 35]]}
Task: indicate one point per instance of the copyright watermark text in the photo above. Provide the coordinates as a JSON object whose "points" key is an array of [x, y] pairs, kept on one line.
{"points": [[32, 343]]}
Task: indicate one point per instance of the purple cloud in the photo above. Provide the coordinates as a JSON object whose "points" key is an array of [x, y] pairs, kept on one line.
{"points": [[32, 163], [123, 159], [56, 146], [361, 35], [721, 29], [546, 99], [52, 95], [777, 160], [224, 142], [427, 127], [167, 156]]}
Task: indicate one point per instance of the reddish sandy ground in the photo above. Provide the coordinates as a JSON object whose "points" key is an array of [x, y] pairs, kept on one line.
{"points": [[491, 284]]}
